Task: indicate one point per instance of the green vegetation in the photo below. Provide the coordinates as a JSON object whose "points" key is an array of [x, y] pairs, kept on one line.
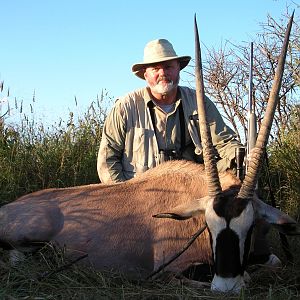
{"points": [[285, 166], [47, 275], [32, 158]]}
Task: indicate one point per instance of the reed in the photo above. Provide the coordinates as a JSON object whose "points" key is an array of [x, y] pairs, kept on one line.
{"points": [[33, 157]]}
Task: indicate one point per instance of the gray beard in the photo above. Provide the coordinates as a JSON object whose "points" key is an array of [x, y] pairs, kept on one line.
{"points": [[163, 89]]}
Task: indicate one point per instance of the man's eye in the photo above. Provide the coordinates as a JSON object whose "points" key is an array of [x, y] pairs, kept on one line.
{"points": [[170, 67]]}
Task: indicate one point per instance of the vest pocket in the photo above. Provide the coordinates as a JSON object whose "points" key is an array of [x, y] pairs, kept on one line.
{"points": [[138, 153], [140, 149]]}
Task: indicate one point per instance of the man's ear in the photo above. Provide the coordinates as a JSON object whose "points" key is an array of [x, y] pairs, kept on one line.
{"points": [[186, 210]]}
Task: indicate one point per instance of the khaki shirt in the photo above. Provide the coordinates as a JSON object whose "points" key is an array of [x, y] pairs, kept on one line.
{"points": [[130, 145]]}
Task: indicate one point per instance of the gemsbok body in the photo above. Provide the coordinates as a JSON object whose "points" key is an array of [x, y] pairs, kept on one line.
{"points": [[114, 224], [136, 226]]}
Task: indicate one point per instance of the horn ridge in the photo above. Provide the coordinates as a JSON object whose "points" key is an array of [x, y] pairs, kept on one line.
{"points": [[213, 181], [249, 183]]}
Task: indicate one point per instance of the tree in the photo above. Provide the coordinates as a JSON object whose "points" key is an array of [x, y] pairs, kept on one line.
{"points": [[226, 75]]}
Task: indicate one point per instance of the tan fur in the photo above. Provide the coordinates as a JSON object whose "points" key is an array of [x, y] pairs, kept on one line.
{"points": [[113, 223]]}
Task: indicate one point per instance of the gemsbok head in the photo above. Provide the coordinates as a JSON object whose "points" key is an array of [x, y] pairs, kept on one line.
{"points": [[231, 219]]}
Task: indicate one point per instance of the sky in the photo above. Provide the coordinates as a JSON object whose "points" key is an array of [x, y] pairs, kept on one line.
{"points": [[59, 49]]}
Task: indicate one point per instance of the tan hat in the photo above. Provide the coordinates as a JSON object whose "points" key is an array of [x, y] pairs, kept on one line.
{"points": [[158, 51]]}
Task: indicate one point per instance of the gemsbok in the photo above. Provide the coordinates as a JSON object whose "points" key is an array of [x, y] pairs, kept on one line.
{"points": [[136, 226]]}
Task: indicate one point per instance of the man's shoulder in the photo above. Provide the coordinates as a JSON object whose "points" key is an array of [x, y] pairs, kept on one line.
{"points": [[186, 89], [132, 101], [190, 93], [187, 93], [135, 95]]}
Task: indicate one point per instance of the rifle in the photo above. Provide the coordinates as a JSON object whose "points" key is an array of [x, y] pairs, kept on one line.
{"points": [[251, 127], [252, 120]]}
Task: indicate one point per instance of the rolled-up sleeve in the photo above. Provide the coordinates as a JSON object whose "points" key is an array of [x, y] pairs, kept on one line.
{"points": [[223, 137], [109, 163]]}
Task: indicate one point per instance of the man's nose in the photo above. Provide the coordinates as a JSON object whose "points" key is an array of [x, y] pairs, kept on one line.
{"points": [[162, 71]]}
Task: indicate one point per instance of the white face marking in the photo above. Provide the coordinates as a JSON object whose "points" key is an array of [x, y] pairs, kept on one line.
{"points": [[214, 223], [241, 225], [234, 285]]}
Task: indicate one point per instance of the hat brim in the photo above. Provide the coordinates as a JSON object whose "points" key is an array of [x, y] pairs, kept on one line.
{"points": [[139, 69]]}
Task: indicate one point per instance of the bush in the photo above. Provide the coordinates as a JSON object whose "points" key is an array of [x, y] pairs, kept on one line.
{"points": [[285, 171], [33, 157]]}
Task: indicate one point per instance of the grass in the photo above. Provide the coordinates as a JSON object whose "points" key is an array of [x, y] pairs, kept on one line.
{"points": [[40, 277], [285, 171], [33, 157]]}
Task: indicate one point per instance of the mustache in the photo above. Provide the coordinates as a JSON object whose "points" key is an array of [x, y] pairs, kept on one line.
{"points": [[163, 78]]}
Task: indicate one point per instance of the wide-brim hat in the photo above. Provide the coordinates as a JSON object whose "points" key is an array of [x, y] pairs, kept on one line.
{"points": [[158, 51]]}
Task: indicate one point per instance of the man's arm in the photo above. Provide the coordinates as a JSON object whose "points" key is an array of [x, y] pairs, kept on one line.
{"points": [[223, 137], [109, 164]]}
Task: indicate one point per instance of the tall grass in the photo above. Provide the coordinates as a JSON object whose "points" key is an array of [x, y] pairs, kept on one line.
{"points": [[33, 157], [284, 167]]}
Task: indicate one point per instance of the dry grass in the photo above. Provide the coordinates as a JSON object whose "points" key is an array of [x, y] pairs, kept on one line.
{"points": [[32, 157], [44, 276]]}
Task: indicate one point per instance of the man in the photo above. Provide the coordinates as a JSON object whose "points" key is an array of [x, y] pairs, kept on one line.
{"points": [[159, 122]]}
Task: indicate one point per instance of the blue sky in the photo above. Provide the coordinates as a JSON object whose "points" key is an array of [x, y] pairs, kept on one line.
{"points": [[63, 48]]}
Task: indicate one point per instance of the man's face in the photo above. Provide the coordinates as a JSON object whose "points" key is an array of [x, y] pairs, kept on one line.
{"points": [[163, 77]]}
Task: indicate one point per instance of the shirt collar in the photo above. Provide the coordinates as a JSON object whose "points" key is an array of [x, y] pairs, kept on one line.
{"points": [[147, 96]]}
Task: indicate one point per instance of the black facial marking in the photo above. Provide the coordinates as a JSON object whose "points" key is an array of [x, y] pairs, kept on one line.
{"points": [[228, 263], [227, 254], [229, 206]]}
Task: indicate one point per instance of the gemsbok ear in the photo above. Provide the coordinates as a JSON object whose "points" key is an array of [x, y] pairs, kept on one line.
{"points": [[281, 221], [187, 210]]}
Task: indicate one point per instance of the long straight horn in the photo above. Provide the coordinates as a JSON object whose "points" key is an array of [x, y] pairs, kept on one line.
{"points": [[213, 181], [249, 183]]}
